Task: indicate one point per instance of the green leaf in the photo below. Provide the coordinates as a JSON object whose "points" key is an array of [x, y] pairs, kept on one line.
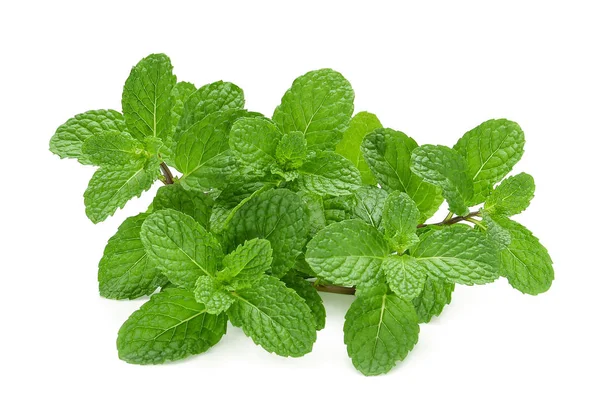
{"points": [[307, 291], [113, 185], [170, 326], [458, 254], [447, 169], [432, 300], [360, 125], [276, 215], [404, 276], [369, 205], [315, 211], [275, 317], [246, 263], [328, 173], [319, 104], [400, 219], [491, 150], [113, 148], [211, 293], [387, 152], [196, 204], [211, 98], [525, 262], [69, 137], [347, 253], [179, 95], [146, 97], [180, 247], [291, 150], [254, 142], [125, 272], [499, 235], [512, 196], [380, 330]]}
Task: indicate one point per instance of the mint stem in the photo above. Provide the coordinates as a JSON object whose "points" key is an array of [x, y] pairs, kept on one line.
{"points": [[166, 173]]}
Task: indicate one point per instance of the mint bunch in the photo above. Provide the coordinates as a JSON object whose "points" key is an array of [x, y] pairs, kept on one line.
{"points": [[267, 211]]}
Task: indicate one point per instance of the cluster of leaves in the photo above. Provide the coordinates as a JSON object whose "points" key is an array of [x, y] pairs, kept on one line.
{"points": [[268, 210]]}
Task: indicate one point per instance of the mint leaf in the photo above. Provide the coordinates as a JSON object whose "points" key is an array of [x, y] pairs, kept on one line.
{"points": [[254, 142], [69, 137], [400, 219], [246, 263], [125, 272], [179, 95], [146, 97], [512, 196], [360, 125], [291, 150], [211, 293], [491, 150], [380, 330], [276, 215], [328, 173], [369, 205], [347, 253], [196, 204], [170, 326], [113, 148], [315, 211], [275, 317], [307, 291], [404, 276], [435, 295], [447, 169], [499, 235], [180, 247], [458, 254], [525, 261], [388, 152], [319, 104], [112, 186]]}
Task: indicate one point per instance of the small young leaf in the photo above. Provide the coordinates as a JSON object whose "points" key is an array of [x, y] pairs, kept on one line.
{"points": [[369, 205], [113, 148], [512, 196], [307, 291], [447, 169], [380, 330], [180, 247], [170, 326], [347, 253], [146, 98], [246, 263], [125, 271], [196, 204], [275, 317], [404, 276], [435, 295], [254, 142], [400, 219], [319, 104], [491, 150], [212, 295], [330, 174]]}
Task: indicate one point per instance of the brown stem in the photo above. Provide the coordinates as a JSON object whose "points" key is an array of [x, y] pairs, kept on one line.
{"points": [[335, 289], [166, 173], [452, 221]]}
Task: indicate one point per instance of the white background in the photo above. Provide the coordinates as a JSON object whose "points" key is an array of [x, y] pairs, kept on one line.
{"points": [[432, 70]]}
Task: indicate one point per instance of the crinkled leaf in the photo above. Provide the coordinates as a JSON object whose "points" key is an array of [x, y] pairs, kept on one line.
{"points": [[212, 295], [447, 169], [170, 326], [246, 263], [113, 148], [369, 205], [307, 291], [330, 174], [291, 150], [181, 248], [179, 95], [275, 317], [347, 253], [400, 219], [314, 210], [499, 235], [491, 150], [254, 142], [512, 196], [435, 295], [194, 203], [319, 104], [404, 276]]}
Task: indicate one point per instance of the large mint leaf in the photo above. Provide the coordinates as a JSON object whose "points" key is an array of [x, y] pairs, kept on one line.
{"points": [[275, 317], [360, 125], [387, 152], [404, 276], [512, 196], [194, 203], [125, 271], [380, 330], [246, 263], [328, 173], [254, 142], [307, 291], [112, 186], [69, 137], [458, 254], [347, 253], [447, 169], [170, 326], [435, 295], [525, 261], [180, 247], [113, 148], [146, 98], [400, 219], [320, 105], [491, 150], [369, 205], [276, 215]]}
